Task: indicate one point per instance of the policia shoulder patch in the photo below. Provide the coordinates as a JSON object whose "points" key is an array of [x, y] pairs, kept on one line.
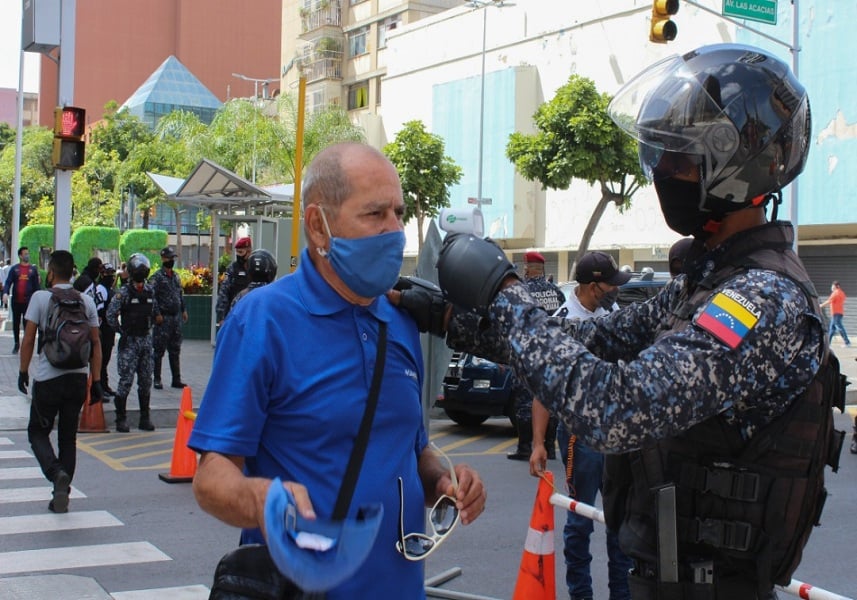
{"points": [[729, 317]]}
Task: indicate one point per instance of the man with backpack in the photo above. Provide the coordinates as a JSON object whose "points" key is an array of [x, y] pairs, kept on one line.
{"points": [[69, 348]]}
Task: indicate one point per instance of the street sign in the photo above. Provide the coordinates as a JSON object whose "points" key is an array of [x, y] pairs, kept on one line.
{"points": [[763, 11], [485, 201]]}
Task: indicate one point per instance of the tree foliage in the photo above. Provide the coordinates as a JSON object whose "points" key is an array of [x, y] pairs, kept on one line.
{"points": [[425, 171], [576, 139]]}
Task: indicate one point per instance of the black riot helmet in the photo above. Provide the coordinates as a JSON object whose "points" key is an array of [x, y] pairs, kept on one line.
{"points": [[736, 113], [138, 267], [262, 266]]}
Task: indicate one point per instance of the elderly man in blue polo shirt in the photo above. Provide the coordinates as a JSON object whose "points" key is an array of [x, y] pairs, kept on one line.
{"points": [[291, 407]]}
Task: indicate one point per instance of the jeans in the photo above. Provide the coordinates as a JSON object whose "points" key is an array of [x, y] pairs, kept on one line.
{"points": [[18, 312], [63, 396], [585, 483], [836, 325]]}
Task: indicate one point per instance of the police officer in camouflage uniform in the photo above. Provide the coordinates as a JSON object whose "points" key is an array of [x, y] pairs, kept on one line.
{"points": [[717, 392], [169, 316], [550, 297], [131, 313], [236, 279]]}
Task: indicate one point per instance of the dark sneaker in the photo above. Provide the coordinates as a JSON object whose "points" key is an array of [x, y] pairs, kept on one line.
{"points": [[122, 426], [158, 385], [146, 424], [62, 487], [15, 349], [178, 385]]}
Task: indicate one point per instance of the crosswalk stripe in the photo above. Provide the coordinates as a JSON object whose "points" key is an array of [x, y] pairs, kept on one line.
{"points": [[20, 473], [75, 557], [52, 522], [14, 454], [32, 494], [187, 592]]}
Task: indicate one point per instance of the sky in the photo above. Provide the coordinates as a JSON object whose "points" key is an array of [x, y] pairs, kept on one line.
{"points": [[10, 46]]}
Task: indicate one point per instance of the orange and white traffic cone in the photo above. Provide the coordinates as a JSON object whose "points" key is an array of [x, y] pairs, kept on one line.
{"points": [[537, 575], [183, 466], [92, 415]]}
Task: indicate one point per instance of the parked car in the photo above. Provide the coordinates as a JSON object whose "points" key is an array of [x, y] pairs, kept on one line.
{"points": [[475, 389]]}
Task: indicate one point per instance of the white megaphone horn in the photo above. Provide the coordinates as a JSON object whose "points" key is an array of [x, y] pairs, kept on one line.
{"points": [[462, 220]]}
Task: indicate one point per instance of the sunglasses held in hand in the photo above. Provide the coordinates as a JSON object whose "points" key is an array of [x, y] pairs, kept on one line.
{"points": [[443, 518]]}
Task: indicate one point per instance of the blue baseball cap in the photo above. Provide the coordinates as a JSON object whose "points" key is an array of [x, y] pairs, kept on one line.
{"points": [[319, 554]]}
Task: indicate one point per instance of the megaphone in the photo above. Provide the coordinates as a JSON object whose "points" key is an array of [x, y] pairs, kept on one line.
{"points": [[462, 220]]}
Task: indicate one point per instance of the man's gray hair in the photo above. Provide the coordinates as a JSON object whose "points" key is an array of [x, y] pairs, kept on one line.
{"points": [[325, 181]]}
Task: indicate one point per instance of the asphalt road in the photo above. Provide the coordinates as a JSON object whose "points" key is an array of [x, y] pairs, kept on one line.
{"points": [[178, 545]]}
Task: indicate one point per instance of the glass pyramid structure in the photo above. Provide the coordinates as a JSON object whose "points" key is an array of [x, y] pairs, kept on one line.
{"points": [[172, 87]]}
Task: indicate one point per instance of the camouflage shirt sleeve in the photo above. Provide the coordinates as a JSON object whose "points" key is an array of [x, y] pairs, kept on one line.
{"points": [[621, 381], [113, 310], [223, 294]]}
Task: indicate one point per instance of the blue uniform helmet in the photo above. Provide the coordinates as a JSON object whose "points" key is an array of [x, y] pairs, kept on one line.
{"points": [[138, 267], [262, 266]]}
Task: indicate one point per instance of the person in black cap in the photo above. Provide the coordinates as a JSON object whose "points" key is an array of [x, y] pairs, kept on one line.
{"points": [[169, 316]]}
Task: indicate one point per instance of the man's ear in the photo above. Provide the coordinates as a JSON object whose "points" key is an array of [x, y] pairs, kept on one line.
{"points": [[315, 230]]}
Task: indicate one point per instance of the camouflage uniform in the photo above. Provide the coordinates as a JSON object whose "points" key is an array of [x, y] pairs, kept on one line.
{"points": [[167, 336], [135, 346], [237, 278], [640, 378], [550, 297], [252, 286]]}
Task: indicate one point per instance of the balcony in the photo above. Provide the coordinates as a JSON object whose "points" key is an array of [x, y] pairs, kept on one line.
{"points": [[326, 14]]}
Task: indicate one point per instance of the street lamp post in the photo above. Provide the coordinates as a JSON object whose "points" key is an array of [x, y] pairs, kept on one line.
{"points": [[256, 81]]}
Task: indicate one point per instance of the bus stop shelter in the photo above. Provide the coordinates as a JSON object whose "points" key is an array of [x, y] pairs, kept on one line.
{"points": [[232, 199]]}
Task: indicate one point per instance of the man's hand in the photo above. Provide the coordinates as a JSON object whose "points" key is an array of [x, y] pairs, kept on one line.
{"points": [[184, 317], [470, 495], [159, 319], [96, 394], [471, 270], [23, 381], [423, 300]]}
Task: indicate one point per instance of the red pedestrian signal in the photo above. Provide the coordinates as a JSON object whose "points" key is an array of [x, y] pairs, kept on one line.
{"points": [[69, 148], [662, 29]]}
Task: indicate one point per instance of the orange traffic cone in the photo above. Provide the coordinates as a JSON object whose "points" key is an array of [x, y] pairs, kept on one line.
{"points": [[183, 466], [536, 577], [92, 415]]}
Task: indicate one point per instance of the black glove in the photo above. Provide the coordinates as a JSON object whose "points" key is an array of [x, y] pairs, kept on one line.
{"points": [[470, 270], [424, 302], [96, 394], [23, 381]]}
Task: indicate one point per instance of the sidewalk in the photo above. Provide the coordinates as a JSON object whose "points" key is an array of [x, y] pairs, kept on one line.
{"points": [[196, 357]]}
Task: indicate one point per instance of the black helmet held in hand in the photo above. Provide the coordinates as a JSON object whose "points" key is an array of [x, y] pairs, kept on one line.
{"points": [[262, 266], [735, 113], [138, 267]]}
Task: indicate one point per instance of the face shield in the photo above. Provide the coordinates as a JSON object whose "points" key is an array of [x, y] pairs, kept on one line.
{"points": [[667, 109]]}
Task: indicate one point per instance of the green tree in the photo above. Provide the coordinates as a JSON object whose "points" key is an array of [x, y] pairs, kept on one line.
{"points": [[7, 135], [37, 183], [425, 171], [576, 139]]}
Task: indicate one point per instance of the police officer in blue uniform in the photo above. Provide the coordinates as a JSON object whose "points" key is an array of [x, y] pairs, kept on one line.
{"points": [[169, 316], [235, 279], [550, 297], [131, 313], [715, 396]]}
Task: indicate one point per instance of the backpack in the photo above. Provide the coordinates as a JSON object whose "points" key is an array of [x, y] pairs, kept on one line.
{"points": [[66, 342]]}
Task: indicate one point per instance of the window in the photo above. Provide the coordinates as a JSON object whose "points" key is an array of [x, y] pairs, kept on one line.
{"points": [[357, 41], [388, 24], [358, 95]]}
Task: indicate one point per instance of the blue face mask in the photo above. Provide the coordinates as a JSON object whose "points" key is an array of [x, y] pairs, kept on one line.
{"points": [[370, 265]]}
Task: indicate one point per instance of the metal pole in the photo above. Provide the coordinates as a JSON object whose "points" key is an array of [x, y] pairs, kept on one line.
{"points": [[795, 64], [19, 149], [65, 97], [481, 111], [299, 153]]}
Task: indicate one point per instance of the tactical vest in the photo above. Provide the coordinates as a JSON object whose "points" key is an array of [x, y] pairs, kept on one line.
{"points": [[137, 308], [744, 509], [240, 279]]}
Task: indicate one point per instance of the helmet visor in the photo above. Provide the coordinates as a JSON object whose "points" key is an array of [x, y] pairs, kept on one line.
{"points": [[667, 109]]}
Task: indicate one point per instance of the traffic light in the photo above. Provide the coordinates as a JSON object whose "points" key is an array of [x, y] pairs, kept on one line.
{"points": [[662, 29], [69, 147]]}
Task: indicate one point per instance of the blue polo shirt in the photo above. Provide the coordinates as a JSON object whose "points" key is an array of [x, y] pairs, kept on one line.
{"points": [[288, 388]]}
